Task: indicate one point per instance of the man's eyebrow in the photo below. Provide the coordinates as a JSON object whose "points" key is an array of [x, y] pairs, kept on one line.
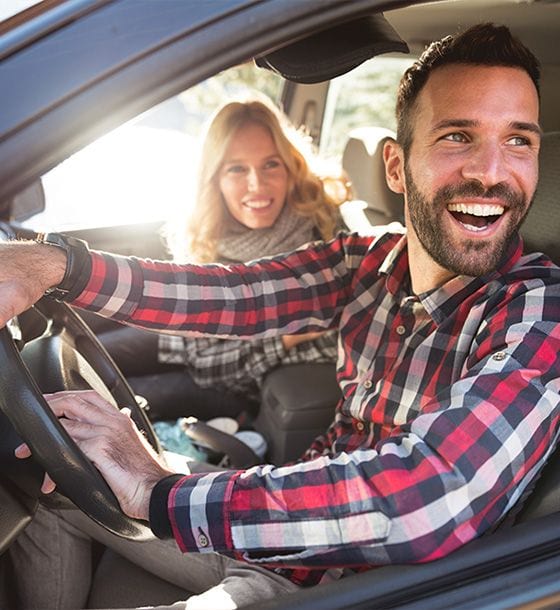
{"points": [[463, 123], [457, 123], [523, 126]]}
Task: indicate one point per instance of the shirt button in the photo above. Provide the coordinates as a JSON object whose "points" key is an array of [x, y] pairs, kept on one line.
{"points": [[368, 384], [400, 329], [360, 426], [202, 540], [499, 356]]}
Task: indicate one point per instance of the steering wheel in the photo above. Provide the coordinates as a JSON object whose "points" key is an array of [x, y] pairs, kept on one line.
{"points": [[67, 357]]}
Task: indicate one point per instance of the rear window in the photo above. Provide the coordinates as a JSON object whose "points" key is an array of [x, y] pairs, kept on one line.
{"points": [[366, 96]]}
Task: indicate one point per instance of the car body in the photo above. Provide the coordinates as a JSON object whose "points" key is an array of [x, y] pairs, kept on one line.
{"points": [[71, 71]]}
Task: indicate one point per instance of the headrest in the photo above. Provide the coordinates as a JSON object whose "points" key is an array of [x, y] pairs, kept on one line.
{"points": [[362, 160], [334, 51], [541, 229]]}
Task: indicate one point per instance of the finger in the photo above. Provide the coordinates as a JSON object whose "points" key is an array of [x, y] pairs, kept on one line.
{"points": [[48, 485], [84, 406], [81, 431], [120, 430], [22, 451], [94, 398], [90, 397], [71, 406]]}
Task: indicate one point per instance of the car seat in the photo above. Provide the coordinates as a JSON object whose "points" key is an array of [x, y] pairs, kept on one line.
{"points": [[541, 232], [541, 229], [375, 204]]}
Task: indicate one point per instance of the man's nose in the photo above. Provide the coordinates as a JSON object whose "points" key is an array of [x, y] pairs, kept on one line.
{"points": [[486, 164]]}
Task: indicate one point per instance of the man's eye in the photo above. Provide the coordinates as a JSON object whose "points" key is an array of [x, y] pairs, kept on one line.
{"points": [[455, 137], [519, 141]]}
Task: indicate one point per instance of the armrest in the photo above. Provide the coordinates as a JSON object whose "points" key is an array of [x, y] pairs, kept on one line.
{"points": [[298, 403]]}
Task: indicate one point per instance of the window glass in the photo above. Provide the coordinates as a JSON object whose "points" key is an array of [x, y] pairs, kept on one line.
{"points": [[143, 171], [364, 96]]}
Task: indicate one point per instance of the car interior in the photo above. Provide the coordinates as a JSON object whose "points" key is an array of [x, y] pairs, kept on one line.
{"points": [[297, 401]]}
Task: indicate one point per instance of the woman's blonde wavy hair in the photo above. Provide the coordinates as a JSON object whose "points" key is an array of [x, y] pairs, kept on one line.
{"points": [[307, 192]]}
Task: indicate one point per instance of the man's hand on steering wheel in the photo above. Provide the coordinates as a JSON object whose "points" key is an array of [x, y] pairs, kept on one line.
{"points": [[113, 443]]}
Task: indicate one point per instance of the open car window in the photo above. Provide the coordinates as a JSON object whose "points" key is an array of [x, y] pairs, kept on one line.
{"points": [[144, 170]]}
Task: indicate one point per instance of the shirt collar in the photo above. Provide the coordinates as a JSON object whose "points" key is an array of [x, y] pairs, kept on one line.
{"points": [[395, 268], [441, 302]]}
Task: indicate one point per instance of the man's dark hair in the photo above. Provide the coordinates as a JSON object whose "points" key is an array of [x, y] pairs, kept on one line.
{"points": [[485, 44]]}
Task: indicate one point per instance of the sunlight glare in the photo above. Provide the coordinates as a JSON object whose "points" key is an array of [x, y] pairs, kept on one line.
{"points": [[132, 175]]}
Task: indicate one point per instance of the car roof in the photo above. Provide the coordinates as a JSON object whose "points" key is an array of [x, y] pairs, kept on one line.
{"points": [[74, 69], [532, 20]]}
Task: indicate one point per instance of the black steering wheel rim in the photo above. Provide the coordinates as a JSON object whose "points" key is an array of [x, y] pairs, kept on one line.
{"points": [[21, 400]]}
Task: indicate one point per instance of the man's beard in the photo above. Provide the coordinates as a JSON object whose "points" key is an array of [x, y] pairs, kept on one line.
{"points": [[473, 257]]}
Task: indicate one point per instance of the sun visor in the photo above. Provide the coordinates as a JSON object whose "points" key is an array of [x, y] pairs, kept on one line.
{"points": [[334, 51]]}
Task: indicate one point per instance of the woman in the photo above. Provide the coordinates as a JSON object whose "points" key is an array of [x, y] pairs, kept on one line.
{"points": [[256, 196]]}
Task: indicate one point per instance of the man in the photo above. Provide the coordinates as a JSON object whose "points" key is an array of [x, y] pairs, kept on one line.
{"points": [[448, 338]]}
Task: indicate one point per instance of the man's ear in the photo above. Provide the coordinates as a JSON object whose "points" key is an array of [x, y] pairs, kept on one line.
{"points": [[394, 165]]}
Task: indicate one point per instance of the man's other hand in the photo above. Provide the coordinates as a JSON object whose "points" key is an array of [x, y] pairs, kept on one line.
{"points": [[27, 269]]}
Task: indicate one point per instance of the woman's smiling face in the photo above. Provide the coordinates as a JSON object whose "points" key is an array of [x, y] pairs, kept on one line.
{"points": [[253, 178]]}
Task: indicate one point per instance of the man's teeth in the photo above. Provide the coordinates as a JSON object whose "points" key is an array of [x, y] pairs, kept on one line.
{"points": [[473, 228], [476, 209]]}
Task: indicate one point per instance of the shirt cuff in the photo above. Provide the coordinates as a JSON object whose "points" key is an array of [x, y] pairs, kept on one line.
{"points": [[198, 509], [159, 516]]}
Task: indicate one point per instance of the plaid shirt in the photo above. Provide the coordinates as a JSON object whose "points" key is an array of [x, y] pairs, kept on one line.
{"points": [[449, 409], [238, 365]]}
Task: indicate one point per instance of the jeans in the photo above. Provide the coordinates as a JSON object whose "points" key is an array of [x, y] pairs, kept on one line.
{"points": [[52, 562]]}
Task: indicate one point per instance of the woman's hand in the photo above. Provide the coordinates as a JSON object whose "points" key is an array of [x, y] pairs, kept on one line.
{"points": [[290, 341], [113, 443]]}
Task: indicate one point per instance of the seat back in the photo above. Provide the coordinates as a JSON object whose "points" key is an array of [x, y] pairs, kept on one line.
{"points": [[541, 229], [375, 203], [544, 498], [541, 232]]}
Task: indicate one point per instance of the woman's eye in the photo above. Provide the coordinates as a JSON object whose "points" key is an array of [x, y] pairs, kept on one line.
{"points": [[272, 164], [235, 169]]}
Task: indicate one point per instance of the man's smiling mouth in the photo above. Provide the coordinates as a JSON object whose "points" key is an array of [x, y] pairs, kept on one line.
{"points": [[475, 216]]}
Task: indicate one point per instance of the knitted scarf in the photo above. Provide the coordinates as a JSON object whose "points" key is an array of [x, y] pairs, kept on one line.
{"points": [[241, 244]]}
